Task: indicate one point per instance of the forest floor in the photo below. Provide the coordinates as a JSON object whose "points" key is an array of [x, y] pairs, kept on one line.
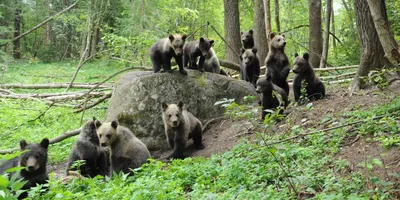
{"points": [[223, 134]]}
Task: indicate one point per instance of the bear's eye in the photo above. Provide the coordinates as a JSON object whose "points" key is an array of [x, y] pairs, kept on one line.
{"points": [[279, 40], [169, 115], [108, 136], [100, 135]]}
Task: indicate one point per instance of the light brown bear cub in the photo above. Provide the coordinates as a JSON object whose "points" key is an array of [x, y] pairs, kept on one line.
{"points": [[126, 151], [181, 125]]}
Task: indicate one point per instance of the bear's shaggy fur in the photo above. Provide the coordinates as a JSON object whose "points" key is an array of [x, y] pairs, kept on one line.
{"points": [[181, 125], [87, 148], [250, 66], [304, 72], [126, 151], [164, 49], [269, 91], [277, 62], [194, 49], [247, 39], [34, 161]]}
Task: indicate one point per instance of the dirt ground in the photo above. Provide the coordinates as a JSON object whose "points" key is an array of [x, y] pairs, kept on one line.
{"points": [[223, 134]]}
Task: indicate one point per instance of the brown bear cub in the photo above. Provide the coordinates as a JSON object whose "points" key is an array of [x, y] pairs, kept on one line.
{"points": [[250, 66], [303, 70], [211, 63], [270, 95], [87, 148], [126, 151], [34, 162], [277, 62], [194, 49], [181, 125], [164, 49], [247, 39]]}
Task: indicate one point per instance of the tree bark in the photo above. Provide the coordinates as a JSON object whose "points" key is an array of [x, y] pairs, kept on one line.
{"points": [[333, 27], [389, 44], [17, 31], [372, 54], [277, 21], [325, 48], [315, 35], [267, 10], [232, 30], [260, 36]]}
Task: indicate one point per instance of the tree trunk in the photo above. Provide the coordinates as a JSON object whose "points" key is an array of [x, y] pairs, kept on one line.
{"points": [[47, 39], [267, 10], [389, 44], [350, 14], [260, 35], [277, 21], [17, 31], [333, 28], [232, 30], [315, 35], [324, 56], [372, 54]]}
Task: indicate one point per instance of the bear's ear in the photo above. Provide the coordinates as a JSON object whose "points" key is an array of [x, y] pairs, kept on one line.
{"points": [[242, 50], [164, 105], [306, 56], [271, 35], [283, 35], [114, 124], [201, 39], [211, 42], [171, 37], [97, 124], [254, 50], [296, 54], [251, 32], [180, 105], [184, 36], [22, 144], [45, 143]]}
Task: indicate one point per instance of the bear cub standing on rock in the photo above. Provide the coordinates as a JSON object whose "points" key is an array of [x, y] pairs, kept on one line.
{"points": [[247, 39], [34, 161], [194, 49], [164, 49], [181, 125], [250, 66], [87, 148], [126, 151], [211, 63], [304, 72], [269, 91], [277, 62]]}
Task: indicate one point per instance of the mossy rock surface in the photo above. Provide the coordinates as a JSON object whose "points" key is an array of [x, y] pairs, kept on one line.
{"points": [[137, 97]]}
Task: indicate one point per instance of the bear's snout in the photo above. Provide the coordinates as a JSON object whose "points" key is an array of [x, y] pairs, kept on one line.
{"points": [[175, 123], [284, 43], [31, 168], [258, 89]]}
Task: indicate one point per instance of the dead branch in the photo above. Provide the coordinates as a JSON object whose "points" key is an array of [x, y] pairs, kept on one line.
{"points": [[209, 122], [51, 86], [229, 65], [106, 96], [40, 24], [75, 96], [57, 139], [338, 76]]}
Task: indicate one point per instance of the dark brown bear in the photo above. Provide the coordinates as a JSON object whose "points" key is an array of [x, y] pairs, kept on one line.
{"points": [[248, 40], [270, 95], [194, 49], [34, 162], [277, 62], [181, 125], [303, 70], [250, 65], [87, 148], [164, 49]]}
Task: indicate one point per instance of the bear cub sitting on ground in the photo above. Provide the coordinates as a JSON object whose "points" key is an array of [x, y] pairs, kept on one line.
{"points": [[164, 49], [181, 125], [126, 151], [277, 62], [34, 162], [87, 148], [303, 70], [270, 95], [194, 49], [250, 66]]}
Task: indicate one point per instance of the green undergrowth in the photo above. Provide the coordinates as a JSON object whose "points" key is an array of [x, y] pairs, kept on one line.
{"points": [[301, 168]]}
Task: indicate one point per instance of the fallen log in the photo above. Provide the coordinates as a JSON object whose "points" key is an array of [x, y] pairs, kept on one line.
{"points": [[51, 86]]}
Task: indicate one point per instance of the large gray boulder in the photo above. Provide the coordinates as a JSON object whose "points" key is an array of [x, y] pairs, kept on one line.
{"points": [[137, 97]]}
